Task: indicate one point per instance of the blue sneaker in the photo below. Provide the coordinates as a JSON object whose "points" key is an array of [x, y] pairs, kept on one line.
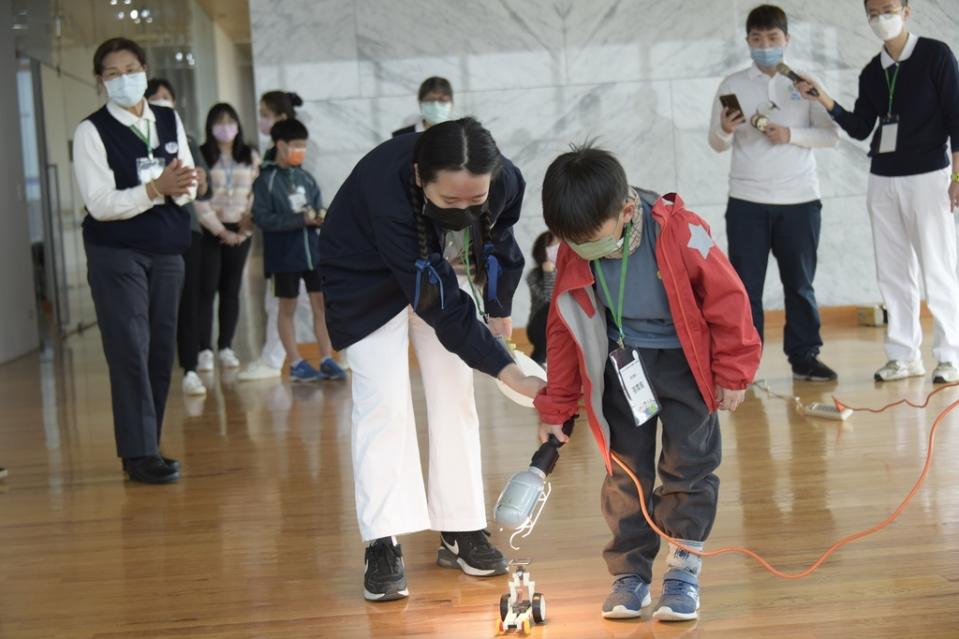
{"points": [[303, 372], [331, 370], [629, 595], [680, 598]]}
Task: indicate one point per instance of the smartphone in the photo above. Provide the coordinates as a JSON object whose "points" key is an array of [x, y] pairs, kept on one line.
{"points": [[731, 102]]}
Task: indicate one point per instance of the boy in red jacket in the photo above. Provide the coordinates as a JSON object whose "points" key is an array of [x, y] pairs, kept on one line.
{"points": [[649, 323]]}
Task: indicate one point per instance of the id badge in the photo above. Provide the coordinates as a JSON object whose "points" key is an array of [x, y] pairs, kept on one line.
{"points": [[635, 384], [298, 200], [149, 169], [888, 133]]}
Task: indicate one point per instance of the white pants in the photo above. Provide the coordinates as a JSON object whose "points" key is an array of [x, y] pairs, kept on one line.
{"points": [[390, 495], [273, 354], [914, 233]]}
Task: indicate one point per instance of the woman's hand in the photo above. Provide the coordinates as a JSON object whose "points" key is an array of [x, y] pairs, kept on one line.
{"points": [[175, 180], [526, 385], [806, 88], [201, 182], [548, 267], [229, 238], [500, 327]]}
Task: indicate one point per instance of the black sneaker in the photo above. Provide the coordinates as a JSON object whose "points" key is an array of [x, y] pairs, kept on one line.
{"points": [[810, 369], [472, 553], [385, 576]]}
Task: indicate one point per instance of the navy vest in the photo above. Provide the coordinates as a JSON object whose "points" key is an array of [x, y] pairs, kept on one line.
{"points": [[164, 229]]}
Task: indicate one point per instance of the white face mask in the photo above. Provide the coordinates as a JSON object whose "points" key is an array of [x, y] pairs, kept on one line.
{"points": [[127, 90], [886, 26], [162, 103], [435, 111], [552, 252]]}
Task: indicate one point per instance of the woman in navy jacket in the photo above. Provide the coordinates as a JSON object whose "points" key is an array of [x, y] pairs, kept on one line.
{"points": [[412, 212]]}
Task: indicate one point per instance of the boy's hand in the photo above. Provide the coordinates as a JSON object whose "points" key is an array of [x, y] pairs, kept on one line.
{"points": [[778, 134], [729, 399], [545, 430], [731, 120]]}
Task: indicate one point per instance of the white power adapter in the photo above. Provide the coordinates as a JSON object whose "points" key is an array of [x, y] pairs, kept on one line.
{"points": [[824, 411]]}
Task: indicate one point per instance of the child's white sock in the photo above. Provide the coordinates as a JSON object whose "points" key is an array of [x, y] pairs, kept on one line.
{"points": [[680, 560]]}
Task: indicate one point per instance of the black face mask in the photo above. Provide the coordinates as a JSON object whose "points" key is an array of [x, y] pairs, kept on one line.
{"points": [[453, 219]]}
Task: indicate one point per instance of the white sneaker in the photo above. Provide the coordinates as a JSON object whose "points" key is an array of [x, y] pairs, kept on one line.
{"points": [[897, 369], [228, 358], [193, 385], [258, 370], [204, 361], [945, 373]]}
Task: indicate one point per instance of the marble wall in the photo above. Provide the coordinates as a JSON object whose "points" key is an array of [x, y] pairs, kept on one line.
{"points": [[638, 76]]}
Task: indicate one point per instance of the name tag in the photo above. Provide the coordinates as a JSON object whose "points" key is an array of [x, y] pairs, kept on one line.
{"points": [[888, 133], [298, 200], [635, 384], [149, 169]]}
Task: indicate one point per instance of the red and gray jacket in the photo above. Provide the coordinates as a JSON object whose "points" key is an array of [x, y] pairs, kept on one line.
{"points": [[709, 308]]}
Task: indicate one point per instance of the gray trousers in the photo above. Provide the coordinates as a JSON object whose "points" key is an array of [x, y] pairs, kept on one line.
{"points": [[684, 505], [136, 296]]}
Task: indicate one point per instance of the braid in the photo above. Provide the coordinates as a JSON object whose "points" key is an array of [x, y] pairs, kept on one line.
{"points": [[486, 227], [429, 294], [422, 234]]}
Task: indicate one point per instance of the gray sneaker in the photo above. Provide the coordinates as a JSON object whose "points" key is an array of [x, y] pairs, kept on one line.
{"points": [[680, 598], [896, 369], [628, 596], [945, 373]]}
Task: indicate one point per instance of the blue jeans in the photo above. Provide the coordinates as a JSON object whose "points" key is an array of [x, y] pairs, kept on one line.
{"points": [[791, 233]]}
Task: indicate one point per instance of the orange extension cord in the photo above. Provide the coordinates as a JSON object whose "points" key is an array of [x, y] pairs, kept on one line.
{"points": [[842, 542]]}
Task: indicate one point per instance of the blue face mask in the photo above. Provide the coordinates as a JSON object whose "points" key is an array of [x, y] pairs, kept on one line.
{"points": [[767, 58]]}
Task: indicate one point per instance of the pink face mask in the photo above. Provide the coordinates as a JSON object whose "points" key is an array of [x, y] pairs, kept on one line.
{"points": [[225, 132], [265, 125]]}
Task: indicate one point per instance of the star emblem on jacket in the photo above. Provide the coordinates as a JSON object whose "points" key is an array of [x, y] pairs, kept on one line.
{"points": [[700, 240]]}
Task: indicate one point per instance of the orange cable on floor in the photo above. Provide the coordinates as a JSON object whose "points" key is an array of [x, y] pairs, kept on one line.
{"points": [[842, 542]]}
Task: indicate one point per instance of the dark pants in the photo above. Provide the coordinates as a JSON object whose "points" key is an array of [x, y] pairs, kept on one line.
{"points": [[684, 505], [136, 296], [188, 320], [791, 232], [536, 332], [222, 273]]}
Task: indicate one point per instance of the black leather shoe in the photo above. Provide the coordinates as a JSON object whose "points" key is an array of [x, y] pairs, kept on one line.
{"points": [[149, 470], [172, 463]]}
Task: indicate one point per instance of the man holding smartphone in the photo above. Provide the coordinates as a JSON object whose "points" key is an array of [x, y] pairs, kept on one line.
{"points": [[773, 186]]}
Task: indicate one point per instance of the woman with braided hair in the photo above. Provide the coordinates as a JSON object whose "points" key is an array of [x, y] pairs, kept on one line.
{"points": [[410, 211]]}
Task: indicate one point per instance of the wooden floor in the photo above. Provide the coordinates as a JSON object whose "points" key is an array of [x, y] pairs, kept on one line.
{"points": [[259, 539]]}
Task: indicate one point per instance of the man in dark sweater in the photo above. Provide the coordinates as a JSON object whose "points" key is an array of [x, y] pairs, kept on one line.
{"points": [[912, 89]]}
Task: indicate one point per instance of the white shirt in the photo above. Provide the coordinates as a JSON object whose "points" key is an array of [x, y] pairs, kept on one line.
{"points": [[886, 60], [761, 171], [95, 178]]}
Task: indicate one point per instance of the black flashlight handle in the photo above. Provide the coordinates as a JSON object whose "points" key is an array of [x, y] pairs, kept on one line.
{"points": [[547, 454]]}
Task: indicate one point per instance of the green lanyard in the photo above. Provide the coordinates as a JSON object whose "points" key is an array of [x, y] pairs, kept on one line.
{"points": [[469, 274], [144, 138], [892, 86], [617, 311]]}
